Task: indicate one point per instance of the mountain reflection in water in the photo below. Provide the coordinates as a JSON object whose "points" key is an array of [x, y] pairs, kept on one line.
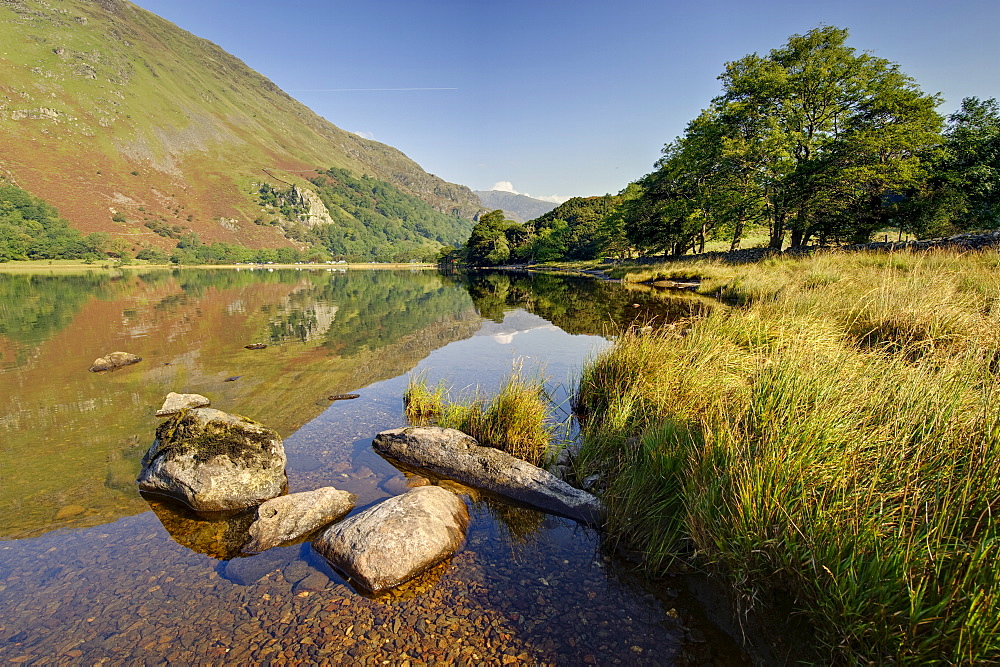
{"points": [[123, 583]]}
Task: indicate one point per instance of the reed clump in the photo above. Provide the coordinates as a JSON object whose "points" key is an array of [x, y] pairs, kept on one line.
{"points": [[835, 436], [515, 419]]}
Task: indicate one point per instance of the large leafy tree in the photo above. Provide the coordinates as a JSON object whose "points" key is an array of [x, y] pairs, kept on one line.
{"points": [[843, 130], [964, 192], [814, 139], [492, 239]]}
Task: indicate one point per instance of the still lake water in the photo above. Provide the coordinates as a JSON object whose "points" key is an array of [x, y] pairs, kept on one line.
{"points": [[92, 572]]}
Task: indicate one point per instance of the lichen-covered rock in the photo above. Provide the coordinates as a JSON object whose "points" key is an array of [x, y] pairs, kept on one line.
{"points": [[287, 518], [214, 461], [174, 403], [113, 361], [396, 540], [453, 454]]}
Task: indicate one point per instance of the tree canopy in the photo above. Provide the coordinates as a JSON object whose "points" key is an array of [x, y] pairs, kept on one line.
{"points": [[814, 140]]}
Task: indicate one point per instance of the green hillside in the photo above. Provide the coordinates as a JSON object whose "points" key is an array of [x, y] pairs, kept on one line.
{"points": [[125, 122]]}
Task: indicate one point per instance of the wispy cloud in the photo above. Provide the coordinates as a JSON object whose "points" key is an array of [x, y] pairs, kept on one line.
{"points": [[365, 135], [360, 90]]}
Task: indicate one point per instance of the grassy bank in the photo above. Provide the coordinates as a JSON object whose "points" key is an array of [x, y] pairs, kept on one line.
{"points": [[834, 436]]}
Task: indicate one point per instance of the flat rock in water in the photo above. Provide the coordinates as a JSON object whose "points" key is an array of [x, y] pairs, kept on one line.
{"points": [[213, 461], [174, 403], [288, 518], [114, 360], [247, 571], [398, 539], [453, 454]]}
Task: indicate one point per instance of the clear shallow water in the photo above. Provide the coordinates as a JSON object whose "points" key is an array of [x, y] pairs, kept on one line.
{"points": [[91, 571]]}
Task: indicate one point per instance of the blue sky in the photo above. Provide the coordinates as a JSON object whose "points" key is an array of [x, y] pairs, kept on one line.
{"points": [[561, 98]]}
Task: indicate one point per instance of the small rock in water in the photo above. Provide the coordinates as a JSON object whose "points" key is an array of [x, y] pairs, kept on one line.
{"points": [[174, 403], [213, 461], [245, 571], [287, 518], [114, 361], [342, 397], [398, 539], [316, 581]]}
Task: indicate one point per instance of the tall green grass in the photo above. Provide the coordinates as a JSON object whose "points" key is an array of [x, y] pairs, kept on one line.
{"points": [[514, 419], [835, 436]]}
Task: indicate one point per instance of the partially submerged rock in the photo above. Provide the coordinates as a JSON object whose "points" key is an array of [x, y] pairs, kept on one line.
{"points": [[396, 540], [113, 361], [287, 518], [214, 461], [174, 403], [453, 454]]}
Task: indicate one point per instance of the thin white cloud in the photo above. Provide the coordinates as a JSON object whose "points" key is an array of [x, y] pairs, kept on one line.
{"points": [[365, 135], [555, 199]]}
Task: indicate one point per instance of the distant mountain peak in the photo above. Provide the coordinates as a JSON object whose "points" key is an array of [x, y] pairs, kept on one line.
{"points": [[517, 207]]}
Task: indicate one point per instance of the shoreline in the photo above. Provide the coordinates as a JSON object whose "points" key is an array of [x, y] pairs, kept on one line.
{"points": [[74, 266]]}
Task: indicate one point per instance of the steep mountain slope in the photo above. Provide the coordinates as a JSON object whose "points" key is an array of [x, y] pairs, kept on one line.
{"points": [[519, 208], [108, 111]]}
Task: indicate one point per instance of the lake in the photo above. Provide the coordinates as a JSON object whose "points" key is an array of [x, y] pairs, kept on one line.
{"points": [[91, 571]]}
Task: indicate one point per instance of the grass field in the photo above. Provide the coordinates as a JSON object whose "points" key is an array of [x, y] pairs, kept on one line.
{"points": [[833, 437]]}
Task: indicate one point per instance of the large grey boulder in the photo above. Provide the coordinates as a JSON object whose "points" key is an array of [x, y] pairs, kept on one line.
{"points": [[213, 461], [453, 454], [286, 518], [398, 539], [114, 361], [175, 402]]}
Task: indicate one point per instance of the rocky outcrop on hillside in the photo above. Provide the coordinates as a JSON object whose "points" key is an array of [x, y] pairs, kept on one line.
{"points": [[317, 212]]}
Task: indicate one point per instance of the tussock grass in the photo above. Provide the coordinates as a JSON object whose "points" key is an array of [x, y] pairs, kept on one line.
{"points": [[515, 419], [836, 436]]}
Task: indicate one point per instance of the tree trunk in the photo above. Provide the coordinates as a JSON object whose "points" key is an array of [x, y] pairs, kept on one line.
{"points": [[777, 231], [796, 240], [737, 235]]}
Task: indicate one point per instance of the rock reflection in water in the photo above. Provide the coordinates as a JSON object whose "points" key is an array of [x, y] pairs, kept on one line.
{"points": [[409, 590], [220, 535]]}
